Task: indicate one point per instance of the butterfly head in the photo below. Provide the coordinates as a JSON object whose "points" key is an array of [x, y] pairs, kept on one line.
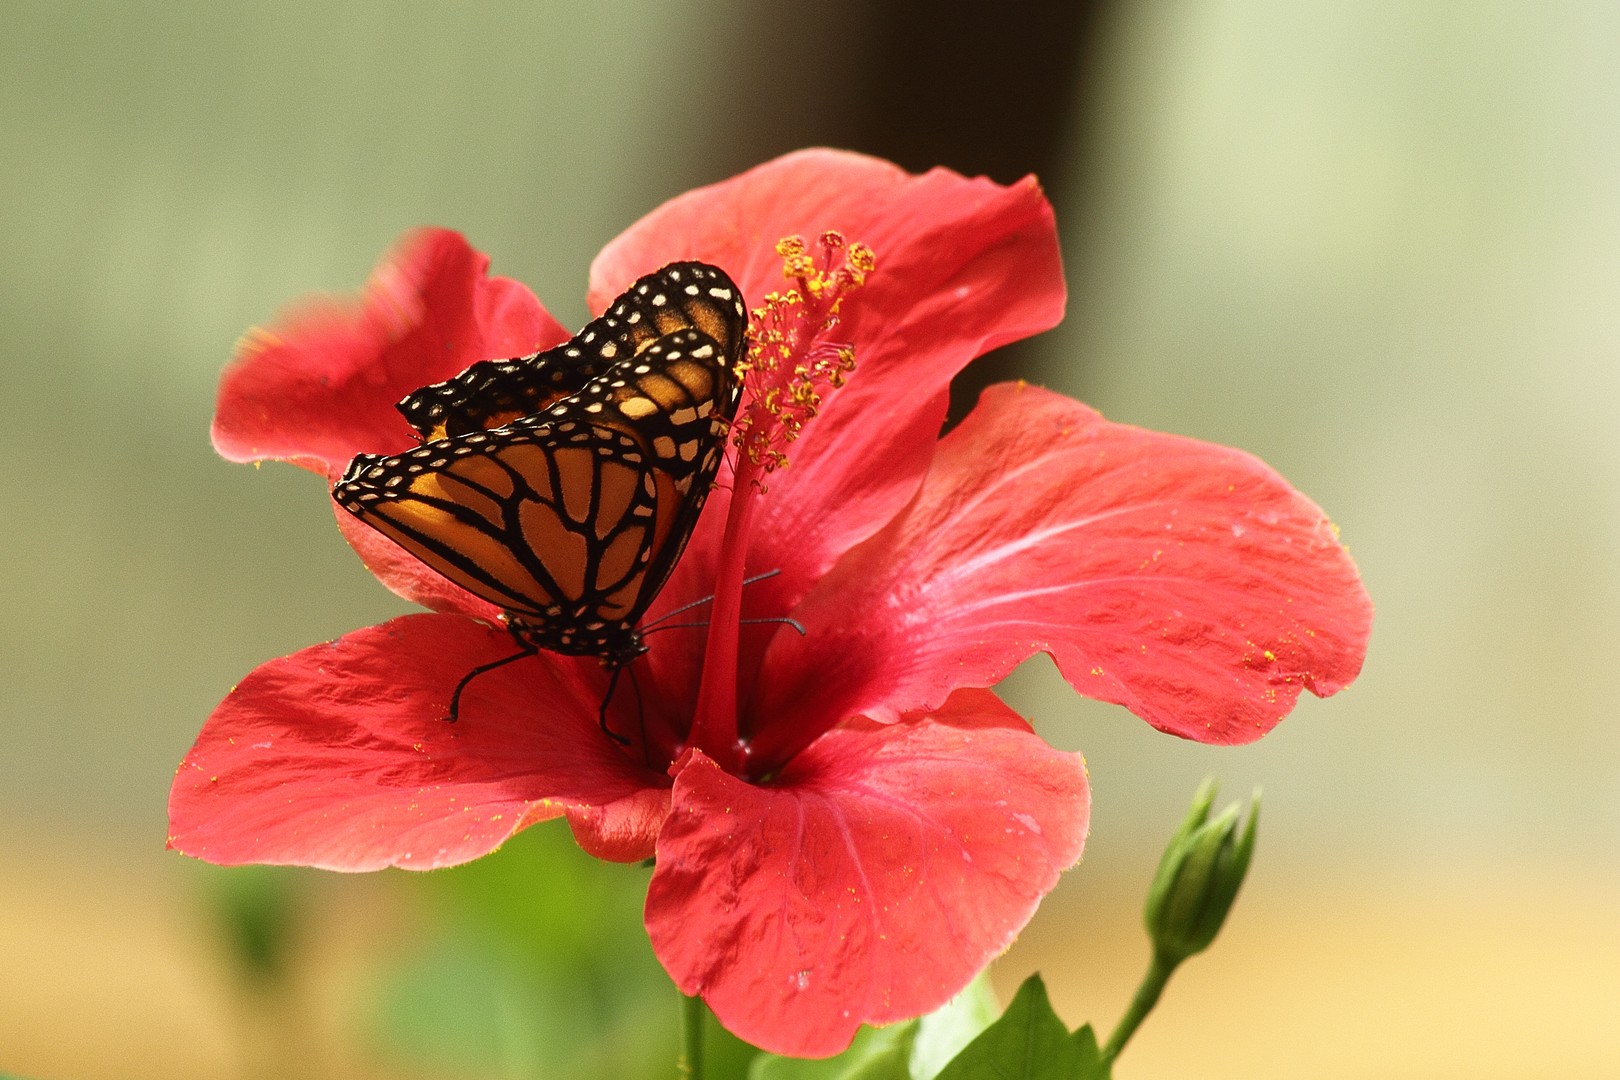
{"points": [[615, 644]]}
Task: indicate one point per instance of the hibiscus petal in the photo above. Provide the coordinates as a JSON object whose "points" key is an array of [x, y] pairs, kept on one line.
{"points": [[624, 830], [338, 756], [406, 575], [321, 386], [963, 266], [871, 880], [736, 223], [1184, 580]]}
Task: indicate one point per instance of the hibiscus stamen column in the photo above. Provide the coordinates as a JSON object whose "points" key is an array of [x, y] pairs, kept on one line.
{"points": [[791, 363]]}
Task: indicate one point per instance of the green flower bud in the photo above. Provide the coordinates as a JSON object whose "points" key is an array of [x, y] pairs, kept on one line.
{"points": [[1198, 877]]}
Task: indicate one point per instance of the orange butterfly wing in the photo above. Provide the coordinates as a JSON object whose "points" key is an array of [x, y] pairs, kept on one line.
{"points": [[572, 518]]}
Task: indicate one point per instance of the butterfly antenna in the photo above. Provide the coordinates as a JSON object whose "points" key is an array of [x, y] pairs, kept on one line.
{"points": [[795, 623], [646, 626], [699, 603], [455, 695], [601, 714], [673, 626]]}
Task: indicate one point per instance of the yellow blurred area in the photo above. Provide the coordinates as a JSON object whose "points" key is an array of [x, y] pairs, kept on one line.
{"points": [[1378, 245], [1464, 975], [1334, 976]]}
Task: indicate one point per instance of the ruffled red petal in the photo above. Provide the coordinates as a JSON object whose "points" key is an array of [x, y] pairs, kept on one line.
{"points": [[624, 830], [964, 265], [871, 880], [321, 386], [1184, 580], [339, 756]]}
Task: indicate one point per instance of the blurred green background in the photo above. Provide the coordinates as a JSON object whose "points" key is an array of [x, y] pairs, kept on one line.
{"points": [[1377, 244]]}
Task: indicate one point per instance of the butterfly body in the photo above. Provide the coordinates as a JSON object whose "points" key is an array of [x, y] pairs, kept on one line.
{"points": [[563, 486]]}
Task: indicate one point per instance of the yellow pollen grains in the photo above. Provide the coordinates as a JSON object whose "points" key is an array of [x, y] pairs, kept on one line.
{"points": [[790, 363]]}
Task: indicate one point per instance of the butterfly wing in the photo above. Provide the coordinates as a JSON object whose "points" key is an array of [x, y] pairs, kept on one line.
{"points": [[677, 400], [570, 519], [492, 393]]}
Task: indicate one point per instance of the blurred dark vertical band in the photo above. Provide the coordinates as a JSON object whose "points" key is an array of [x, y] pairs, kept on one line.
{"points": [[994, 88]]}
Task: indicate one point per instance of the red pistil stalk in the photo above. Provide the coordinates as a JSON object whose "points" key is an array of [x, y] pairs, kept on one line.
{"points": [[788, 368], [714, 724]]}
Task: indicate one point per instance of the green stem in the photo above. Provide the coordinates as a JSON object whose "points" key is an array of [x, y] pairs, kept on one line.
{"points": [[693, 1014], [1147, 995]]}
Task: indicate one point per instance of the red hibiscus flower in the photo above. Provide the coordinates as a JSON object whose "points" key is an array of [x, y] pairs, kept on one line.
{"points": [[847, 826]]}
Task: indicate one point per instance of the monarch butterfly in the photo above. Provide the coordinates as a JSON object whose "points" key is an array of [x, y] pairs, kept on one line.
{"points": [[563, 486]]}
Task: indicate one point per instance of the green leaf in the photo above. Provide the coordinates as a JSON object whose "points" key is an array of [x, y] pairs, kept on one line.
{"points": [[943, 1033], [876, 1054], [1029, 1042], [1092, 1064]]}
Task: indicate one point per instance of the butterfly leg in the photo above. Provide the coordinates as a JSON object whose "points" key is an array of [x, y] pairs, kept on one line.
{"points": [[641, 718], [455, 695], [607, 698]]}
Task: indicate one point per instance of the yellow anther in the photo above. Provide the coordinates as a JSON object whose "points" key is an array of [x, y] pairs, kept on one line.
{"points": [[789, 360]]}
